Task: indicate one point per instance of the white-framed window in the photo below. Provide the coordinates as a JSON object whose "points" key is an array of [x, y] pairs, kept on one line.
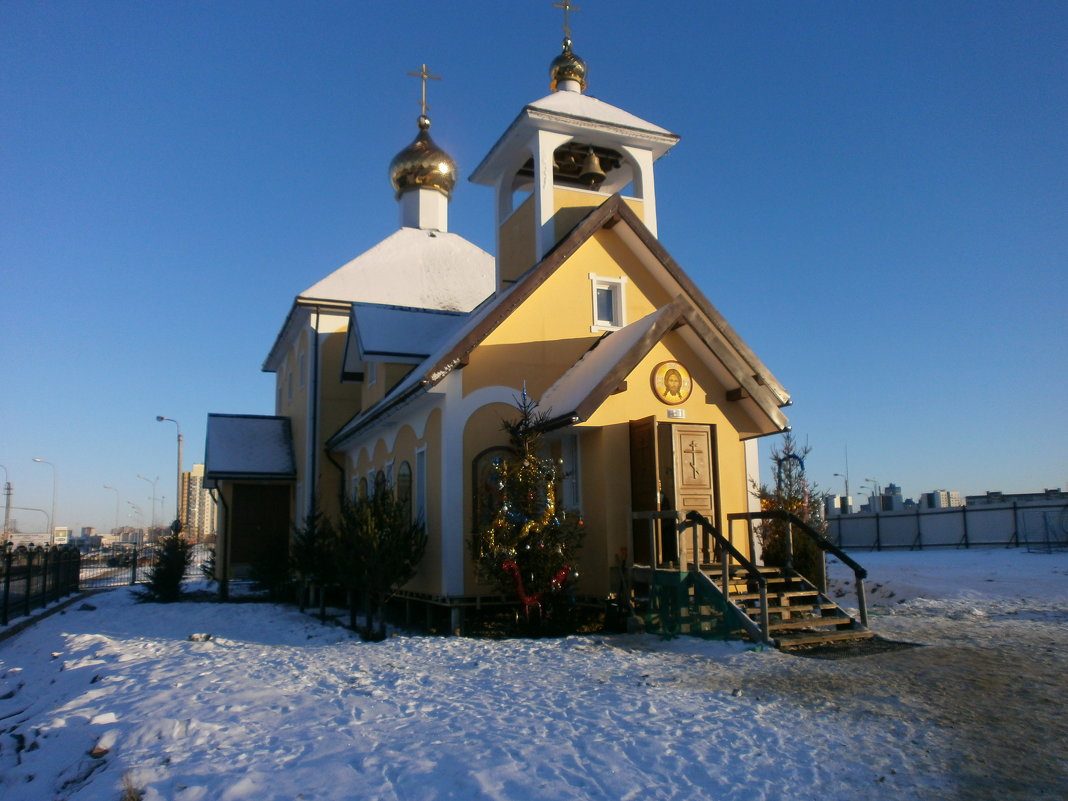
{"points": [[609, 302]]}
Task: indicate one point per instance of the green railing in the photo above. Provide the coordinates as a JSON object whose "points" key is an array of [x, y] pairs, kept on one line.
{"points": [[795, 523]]}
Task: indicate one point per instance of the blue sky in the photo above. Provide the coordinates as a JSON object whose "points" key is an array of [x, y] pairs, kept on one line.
{"points": [[873, 194]]}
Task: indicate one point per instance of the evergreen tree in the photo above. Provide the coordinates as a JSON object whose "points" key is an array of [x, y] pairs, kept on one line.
{"points": [[791, 493], [379, 548], [530, 547], [173, 555], [312, 553]]}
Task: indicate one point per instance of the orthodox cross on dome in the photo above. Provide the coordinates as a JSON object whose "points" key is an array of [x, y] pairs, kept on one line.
{"points": [[567, 7], [424, 73]]}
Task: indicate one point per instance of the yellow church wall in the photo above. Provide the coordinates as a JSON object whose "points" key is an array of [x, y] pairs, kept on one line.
{"points": [[516, 243], [639, 402], [338, 402], [428, 579], [551, 330], [605, 477], [483, 430], [571, 205], [379, 455]]}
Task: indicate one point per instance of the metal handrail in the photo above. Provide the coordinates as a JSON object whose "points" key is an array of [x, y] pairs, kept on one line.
{"points": [[654, 551], [824, 544], [694, 518]]}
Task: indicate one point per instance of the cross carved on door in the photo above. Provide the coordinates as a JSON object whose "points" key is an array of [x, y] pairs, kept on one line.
{"points": [[693, 450]]}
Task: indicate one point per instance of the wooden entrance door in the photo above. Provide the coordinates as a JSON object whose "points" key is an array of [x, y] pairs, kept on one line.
{"points": [[693, 478], [672, 468]]}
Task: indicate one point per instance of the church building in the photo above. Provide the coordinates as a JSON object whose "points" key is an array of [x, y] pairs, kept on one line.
{"points": [[398, 368]]}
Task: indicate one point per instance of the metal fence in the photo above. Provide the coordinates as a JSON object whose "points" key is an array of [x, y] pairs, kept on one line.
{"points": [[35, 576], [120, 565], [1039, 526], [32, 577]]}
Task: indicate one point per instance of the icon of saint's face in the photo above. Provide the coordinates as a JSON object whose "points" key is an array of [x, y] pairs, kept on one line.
{"points": [[672, 383]]}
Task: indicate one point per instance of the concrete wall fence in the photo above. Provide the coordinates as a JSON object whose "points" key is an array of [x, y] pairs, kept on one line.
{"points": [[1034, 525]]}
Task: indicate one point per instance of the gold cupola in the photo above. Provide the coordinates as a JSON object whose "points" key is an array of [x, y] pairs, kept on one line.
{"points": [[423, 165], [567, 67]]}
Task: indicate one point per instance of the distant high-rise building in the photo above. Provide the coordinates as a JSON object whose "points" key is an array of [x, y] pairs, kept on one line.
{"points": [[940, 499], [1016, 497], [199, 522], [837, 505]]}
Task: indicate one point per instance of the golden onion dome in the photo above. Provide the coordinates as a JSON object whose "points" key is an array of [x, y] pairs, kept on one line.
{"points": [[567, 67], [423, 164]]}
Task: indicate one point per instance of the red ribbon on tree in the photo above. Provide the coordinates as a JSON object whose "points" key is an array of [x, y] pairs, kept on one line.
{"points": [[556, 583]]}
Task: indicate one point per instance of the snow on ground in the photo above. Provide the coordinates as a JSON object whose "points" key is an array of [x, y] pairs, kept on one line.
{"points": [[276, 706]]}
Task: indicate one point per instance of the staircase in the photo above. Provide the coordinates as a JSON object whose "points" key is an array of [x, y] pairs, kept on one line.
{"points": [[798, 613], [774, 605]]}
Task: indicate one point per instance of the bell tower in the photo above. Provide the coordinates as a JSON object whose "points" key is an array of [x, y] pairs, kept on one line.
{"points": [[560, 158]]}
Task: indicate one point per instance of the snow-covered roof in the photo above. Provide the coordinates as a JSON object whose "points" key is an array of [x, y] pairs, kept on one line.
{"points": [[733, 362], [575, 104], [579, 383], [413, 267], [396, 333], [577, 115], [248, 446]]}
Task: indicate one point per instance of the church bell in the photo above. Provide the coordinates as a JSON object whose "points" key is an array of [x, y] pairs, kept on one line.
{"points": [[592, 175]]}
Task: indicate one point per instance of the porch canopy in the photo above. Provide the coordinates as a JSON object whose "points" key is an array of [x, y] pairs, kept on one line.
{"points": [[248, 447]]}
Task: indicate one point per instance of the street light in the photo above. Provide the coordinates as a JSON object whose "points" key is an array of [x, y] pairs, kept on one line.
{"points": [[113, 489], [7, 503], [52, 531], [845, 476], [153, 498], [177, 525]]}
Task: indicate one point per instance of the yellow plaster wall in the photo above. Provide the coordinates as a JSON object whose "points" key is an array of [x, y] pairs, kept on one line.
{"points": [[571, 205], [639, 402], [378, 454], [550, 331], [482, 431], [516, 251]]}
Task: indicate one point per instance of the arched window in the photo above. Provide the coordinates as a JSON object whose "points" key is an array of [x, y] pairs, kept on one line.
{"points": [[487, 493], [380, 482], [404, 487], [361, 488]]}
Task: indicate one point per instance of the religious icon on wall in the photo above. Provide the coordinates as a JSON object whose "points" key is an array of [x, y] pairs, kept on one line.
{"points": [[671, 382]]}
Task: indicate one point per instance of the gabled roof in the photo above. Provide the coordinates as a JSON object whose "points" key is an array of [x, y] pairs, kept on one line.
{"points": [[248, 446], [754, 379], [579, 392], [399, 334], [413, 267], [410, 267], [574, 113]]}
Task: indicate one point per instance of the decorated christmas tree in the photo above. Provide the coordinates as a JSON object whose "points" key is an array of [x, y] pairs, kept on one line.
{"points": [[529, 548]]}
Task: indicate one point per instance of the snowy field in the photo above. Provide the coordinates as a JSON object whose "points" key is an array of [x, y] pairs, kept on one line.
{"points": [[276, 706]]}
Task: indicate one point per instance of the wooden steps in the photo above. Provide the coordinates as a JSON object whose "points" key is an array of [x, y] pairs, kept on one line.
{"points": [[798, 614]]}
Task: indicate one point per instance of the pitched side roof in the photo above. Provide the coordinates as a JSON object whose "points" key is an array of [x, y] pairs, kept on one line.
{"points": [[579, 392], [248, 446], [410, 267], [395, 333], [747, 369]]}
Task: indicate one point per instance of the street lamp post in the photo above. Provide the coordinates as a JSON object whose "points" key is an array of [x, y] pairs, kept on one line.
{"points": [[52, 523], [7, 503], [154, 498], [113, 489], [878, 498], [846, 477], [177, 526]]}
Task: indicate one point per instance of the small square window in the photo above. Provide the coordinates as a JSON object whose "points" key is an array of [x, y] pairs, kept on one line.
{"points": [[608, 303]]}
